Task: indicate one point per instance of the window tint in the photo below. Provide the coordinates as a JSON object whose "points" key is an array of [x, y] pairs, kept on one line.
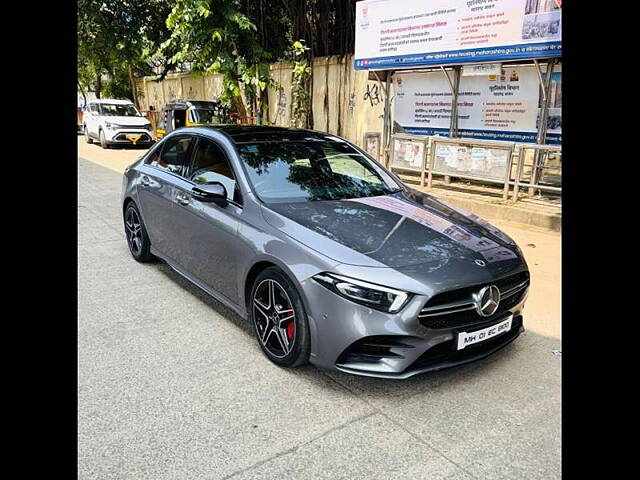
{"points": [[173, 156], [210, 164]]}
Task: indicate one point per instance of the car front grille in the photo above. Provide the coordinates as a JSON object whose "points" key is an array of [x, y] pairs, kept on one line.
{"points": [[123, 136], [457, 308]]}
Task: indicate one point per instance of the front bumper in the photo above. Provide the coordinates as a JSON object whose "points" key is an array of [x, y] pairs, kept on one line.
{"points": [[398, 345], [127, 136]]}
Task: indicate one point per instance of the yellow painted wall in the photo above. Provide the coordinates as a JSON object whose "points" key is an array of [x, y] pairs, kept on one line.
{"points": [[340, 104], [193, 87]]}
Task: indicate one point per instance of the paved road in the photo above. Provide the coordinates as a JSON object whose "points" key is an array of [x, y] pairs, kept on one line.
{"points": [[172, 385]]}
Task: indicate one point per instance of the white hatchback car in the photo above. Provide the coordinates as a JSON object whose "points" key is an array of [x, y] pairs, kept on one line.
{"points": [[116, 122]]}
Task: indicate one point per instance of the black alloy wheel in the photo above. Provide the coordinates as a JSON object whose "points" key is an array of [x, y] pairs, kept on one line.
{"points": [[279, 319], [137, 238]]}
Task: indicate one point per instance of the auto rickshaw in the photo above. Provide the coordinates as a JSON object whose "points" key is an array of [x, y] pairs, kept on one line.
{"points": [[185, 113]]}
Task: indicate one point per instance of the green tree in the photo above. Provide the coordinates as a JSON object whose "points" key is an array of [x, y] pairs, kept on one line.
{"points": [[219, 36], [120, 39]]}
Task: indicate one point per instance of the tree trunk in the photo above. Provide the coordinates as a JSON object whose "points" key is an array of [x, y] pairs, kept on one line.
{"points": [[84, 95], [133, 87], [98, 83]]}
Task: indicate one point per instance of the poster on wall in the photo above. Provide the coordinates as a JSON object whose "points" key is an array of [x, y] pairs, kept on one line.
{"points": [[441, 32], [372, 144], [554, 117], [471, 161], [494, 107], [408, 154]]}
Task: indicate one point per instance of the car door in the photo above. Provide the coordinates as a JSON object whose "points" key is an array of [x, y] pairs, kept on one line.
{"points": [[209, 244], [159, 175], [90, 119]]}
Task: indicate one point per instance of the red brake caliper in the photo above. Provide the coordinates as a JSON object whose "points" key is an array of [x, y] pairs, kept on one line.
{"points": [[290, 328]]}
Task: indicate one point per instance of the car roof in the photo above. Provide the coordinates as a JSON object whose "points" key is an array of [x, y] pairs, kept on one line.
{"points": [[262, 133], [112, 100]]}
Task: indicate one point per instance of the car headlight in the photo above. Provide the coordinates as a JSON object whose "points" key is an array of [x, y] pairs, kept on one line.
{"points": [[365, 293], [147, 126]]}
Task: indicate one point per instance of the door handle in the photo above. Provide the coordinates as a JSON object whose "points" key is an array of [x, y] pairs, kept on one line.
{"points": [[182, 199], [145, 181]]}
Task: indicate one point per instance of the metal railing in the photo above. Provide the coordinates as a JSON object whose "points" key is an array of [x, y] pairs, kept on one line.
{"points": [[537, 167], [544, 172]]}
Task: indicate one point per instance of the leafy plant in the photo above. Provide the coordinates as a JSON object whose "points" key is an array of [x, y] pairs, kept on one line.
{"points": [[215, 36], [300, 85]]}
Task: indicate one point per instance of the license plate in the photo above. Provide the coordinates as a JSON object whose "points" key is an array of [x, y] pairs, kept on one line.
{"points": [[134, 138], [469, 338]]}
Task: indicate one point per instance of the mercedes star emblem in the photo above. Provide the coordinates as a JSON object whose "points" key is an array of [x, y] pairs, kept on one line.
{"points": [[487, 300]]}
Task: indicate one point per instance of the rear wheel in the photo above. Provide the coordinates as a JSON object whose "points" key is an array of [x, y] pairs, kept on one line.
{"points": [[279, 320], [103, 140], [137, 238], [87, 138]]}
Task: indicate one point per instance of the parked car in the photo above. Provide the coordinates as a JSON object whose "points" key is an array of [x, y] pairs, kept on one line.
{"points": [[188, 113], [329, 256], [116, 122]]}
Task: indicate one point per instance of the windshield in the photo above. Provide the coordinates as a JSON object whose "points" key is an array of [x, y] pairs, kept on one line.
{"points": [[200, 115], [119, 110], [312, 170]]}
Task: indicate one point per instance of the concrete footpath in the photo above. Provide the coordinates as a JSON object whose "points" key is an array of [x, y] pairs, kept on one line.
{"points": [[171, 384], [487, 203]]}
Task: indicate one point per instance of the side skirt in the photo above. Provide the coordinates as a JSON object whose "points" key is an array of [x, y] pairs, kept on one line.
{"points": [[218, 296]]}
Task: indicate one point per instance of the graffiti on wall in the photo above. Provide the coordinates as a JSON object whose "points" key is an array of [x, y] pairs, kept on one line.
{"points": [[352, 102], [282, 103], [372, 94]]}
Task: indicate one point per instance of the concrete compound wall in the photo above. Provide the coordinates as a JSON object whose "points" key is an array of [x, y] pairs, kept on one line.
{"points": [[345, 102]]}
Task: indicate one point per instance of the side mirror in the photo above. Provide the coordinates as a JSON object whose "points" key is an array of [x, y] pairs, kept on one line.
{"points": [[211, 192]]}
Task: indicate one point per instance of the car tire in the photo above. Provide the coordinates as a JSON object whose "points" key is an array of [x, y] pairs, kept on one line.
{"points": [[284, 345], [87, 138], [136, 234], [103, 140]]}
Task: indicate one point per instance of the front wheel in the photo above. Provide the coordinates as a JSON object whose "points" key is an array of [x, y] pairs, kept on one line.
{"points": [[87, 138], [103, 140], [279, 320]]}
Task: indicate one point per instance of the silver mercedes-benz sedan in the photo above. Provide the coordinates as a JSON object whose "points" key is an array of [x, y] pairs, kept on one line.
{"points": [[329, 256]]}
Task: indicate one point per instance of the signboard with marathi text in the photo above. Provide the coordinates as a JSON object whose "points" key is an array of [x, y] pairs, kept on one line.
{"points": [[393, 34], [490, 107]]}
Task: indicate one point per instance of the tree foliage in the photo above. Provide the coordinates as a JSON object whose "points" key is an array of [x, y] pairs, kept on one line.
{"points": [[236, 39], [120, 39]]}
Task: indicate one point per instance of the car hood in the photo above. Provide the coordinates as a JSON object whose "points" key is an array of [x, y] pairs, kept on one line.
{"points": [[398, 230], [127, 121]]}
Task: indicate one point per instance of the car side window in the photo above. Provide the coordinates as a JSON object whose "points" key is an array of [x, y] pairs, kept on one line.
{"points": [[173, 156], [93, 108], [210, 164]]}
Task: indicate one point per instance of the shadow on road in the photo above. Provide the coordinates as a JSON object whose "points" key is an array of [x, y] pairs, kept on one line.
{"points": [[379, 388]]}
